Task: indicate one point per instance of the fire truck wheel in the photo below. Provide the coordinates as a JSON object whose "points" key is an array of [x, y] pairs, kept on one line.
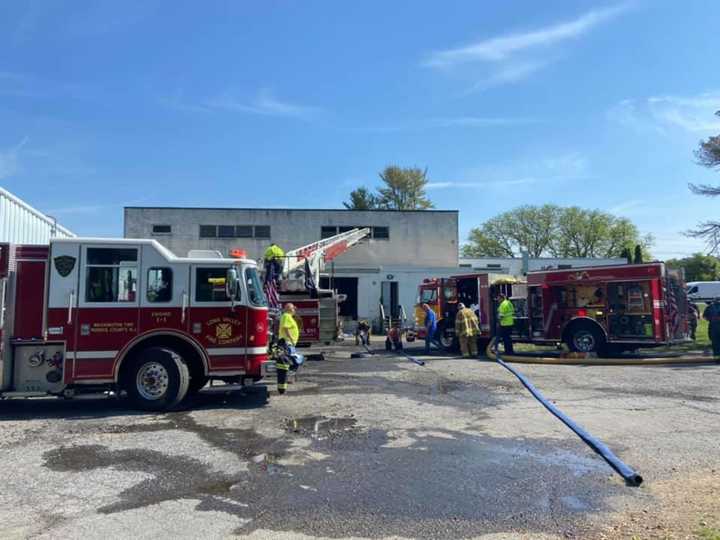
{"points": [[445, 338], [158, 379], [586, 338]]}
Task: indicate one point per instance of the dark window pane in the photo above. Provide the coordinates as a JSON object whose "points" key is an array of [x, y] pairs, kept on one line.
{"points": [[210, 285], [159, 285], [226, 231], [345, 229], [161, 229], [244, 231], [208, 231], [255, 290], [110, 283], [327, 231], [381, 233], [111, 255], [262, 231]]}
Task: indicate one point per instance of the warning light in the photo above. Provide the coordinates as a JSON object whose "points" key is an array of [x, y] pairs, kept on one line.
{"points": [[238, 254], [582, 312]]}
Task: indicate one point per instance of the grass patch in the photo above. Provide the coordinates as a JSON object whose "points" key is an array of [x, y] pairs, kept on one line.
{"points": [[708, 533]]}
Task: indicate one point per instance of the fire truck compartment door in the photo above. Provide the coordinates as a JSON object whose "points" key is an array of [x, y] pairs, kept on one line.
{"points": [[63, 292]]}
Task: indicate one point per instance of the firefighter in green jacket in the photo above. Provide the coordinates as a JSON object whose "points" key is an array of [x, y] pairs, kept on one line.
{"points": [[273, 257], [289, 334], [506, 316]]}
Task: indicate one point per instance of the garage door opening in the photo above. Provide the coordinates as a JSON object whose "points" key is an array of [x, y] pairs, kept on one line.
{"points": [[347, 286]]}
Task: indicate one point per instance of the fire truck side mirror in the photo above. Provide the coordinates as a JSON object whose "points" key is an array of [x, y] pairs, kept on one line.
{"points": [[232, 282]]}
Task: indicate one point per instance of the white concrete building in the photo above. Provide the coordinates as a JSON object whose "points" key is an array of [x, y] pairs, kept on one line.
{"points": [[20, 223], [404, 248]]}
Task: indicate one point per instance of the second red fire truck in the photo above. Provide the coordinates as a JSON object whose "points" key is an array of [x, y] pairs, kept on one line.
{"points": [[98, 315], [604, 309]]}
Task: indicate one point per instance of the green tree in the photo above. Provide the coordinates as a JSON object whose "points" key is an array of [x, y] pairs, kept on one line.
{"points": [[698, 267], [527, 228], [404, 189], [362, 199], [561, 232], [708, 155]]}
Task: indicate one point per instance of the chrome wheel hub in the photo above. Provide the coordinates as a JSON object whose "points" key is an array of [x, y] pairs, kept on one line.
{"points": [[152, 381]]}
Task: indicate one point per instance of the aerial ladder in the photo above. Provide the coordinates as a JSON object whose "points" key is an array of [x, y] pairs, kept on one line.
{"points": [[317, 311], [314, 257]]}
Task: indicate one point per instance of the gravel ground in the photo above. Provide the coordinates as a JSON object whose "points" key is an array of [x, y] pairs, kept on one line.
{"points": [[374, 448]]}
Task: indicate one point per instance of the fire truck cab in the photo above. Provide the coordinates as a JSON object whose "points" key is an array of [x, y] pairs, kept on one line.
{"points": [[127, 316], [477, 291]]}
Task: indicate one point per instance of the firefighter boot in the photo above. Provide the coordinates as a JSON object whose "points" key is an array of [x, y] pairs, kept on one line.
{"points": [[282, 375]]}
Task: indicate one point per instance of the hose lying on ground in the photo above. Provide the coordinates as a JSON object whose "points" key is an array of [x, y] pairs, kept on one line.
{"points": [[652, 361], [631, 477]]}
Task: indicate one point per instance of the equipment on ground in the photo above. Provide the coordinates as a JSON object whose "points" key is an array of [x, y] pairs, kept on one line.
{"points": [[126, 316]]}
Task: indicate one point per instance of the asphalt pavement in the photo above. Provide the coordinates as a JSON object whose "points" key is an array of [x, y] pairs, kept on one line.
{"points": [[374, 447]]}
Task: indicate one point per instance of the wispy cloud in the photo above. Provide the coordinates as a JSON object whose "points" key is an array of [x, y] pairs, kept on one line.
{"points": [[481, 121], [627, 207], [265, 103], [524, 171], [501, 48], [513, 57], [10, 159], [477, 185], [667, 114]]}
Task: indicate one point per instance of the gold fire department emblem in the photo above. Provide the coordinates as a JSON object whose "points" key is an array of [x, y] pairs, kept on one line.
{"points": [[223, 331]]}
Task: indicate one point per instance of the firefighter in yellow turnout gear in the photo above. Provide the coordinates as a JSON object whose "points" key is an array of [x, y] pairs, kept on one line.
{"points": [[467, 330], [289, 333]]}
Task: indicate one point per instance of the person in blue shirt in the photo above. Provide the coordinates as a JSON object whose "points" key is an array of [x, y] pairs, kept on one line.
{"points": [[430, 327]]}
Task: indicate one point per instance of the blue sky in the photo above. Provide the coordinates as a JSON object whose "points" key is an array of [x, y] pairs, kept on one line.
{"points": [[293, 104]]}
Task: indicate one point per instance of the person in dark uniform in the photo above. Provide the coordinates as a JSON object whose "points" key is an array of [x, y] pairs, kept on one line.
{"points": [[712, 316]]}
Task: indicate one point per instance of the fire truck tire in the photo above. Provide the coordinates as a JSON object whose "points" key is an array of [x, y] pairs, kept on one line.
{"points": [[586, 338], [157, 379], [446, 338]]}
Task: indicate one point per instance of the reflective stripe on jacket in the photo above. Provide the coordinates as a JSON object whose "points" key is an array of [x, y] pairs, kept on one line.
{"points": [[466, 323]]}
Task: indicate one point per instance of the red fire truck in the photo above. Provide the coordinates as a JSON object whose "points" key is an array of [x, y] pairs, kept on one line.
{"points": [[98, 315], [595, 309], [476, 291], [605, 309]]}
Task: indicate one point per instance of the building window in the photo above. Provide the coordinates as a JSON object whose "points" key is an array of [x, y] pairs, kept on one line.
{"points": [[262, 231], [381, 233], [326, 231], [159, 285], [346, 228], [244, 231], [208, 231], [161, 229], [111, 275], [210, 285], [226, 231]]}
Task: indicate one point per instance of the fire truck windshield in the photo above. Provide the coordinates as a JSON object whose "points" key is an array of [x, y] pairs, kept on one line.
{"points": [[428, 296], [254, 289]]}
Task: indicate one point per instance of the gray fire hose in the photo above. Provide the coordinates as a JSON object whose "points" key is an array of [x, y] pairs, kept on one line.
{"points": [[631, 477]]}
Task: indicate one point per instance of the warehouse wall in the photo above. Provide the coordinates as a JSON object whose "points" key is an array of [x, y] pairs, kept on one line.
{"points": [[20, 223], [425, 238]]}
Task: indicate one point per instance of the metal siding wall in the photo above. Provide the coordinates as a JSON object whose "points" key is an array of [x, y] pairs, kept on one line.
{"points": [[22, 224]]}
